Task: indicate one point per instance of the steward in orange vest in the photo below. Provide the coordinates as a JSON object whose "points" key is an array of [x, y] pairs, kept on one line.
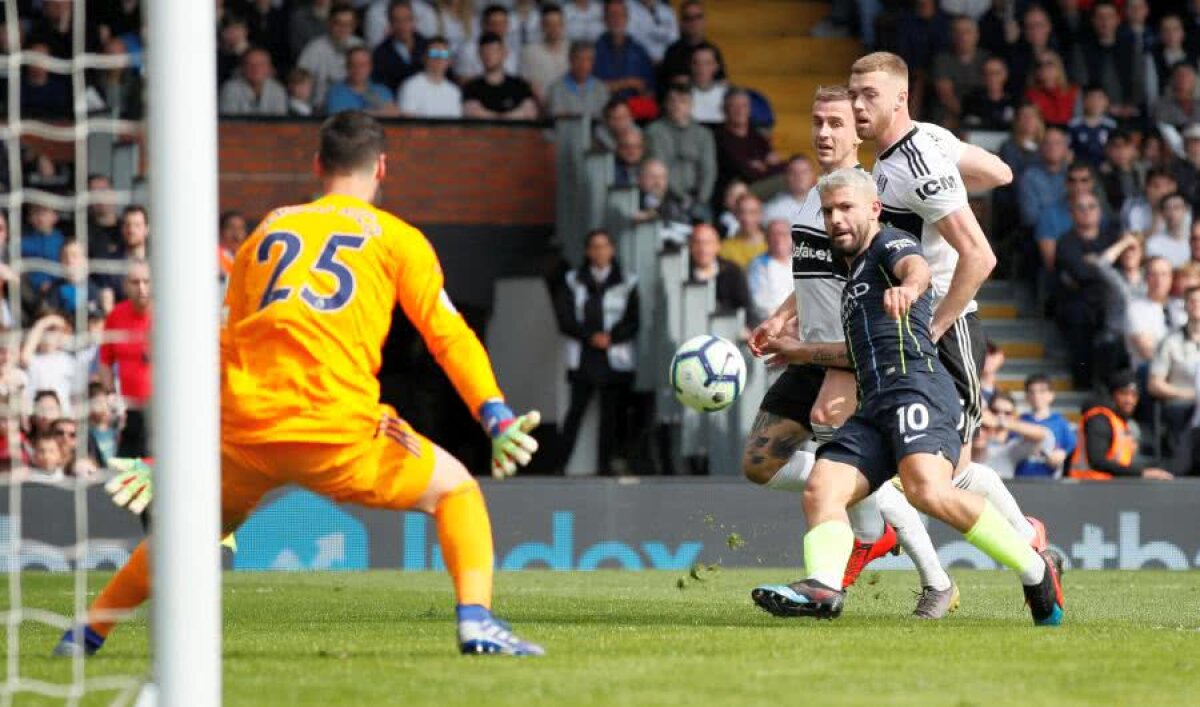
{"points": [[1107, 444]]}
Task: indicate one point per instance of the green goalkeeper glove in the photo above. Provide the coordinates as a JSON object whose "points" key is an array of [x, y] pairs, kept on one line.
{"points": [[130, 488], [512, 446]]}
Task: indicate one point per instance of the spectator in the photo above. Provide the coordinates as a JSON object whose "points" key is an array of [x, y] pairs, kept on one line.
{"points": [[468, 65], [1039, 395], [677, 61], [300, 92], [325, 56], [743, 152], [430, 94], [102, 427], [584, 20], [627, 159], [230, 237], [617, 119], [47, 363], [1089, 132], [46, 464], [1045, 183], [42, 240], [525, 24], [1144, 211], [53, 28], [708, 92], [1108, 443], [125, 358], [1050, 91], [1187, 171], [598, 312], [401, 54], [232, 44], [307, 21], [1150, 317], [1170, 240], [497, 95], [1119, 267], [358, 92], [1022, 148], [990, 106], [103, 231], [652, 24], [1193, 241], [1173, 371], [621, 62], [726, 221], [1168, 53], [13, 380], [1008, 443], [254, 91], [451, 19], [46, 409], [72, 290], [578, 92], [921, 33], [1179, 106], [769, 276], [1106, 58], [44, 94], [65, 433], [706, 266], [1036, 37], [1120, 176], [544, 61], [750, 241], [688, 150], [268, 29], [657, 204], [116, 92], [799, 177], [1080, 289], [1055, 218], [993, 361], [958, 71]]}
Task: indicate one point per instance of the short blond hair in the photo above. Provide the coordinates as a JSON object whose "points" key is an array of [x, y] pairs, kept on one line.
{"points": [[831, 94], [886, 62], [848, 178]]}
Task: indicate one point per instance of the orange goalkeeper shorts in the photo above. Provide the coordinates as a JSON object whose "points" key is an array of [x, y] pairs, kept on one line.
{"points": [[389, 470]]}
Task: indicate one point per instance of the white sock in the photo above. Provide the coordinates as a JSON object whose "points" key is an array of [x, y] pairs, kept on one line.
{"points": [[1034, 570], [912, 535], [865, 520], [794, 473], [982, 480]]}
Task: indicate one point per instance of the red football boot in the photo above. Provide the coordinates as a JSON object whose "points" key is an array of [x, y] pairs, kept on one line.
{"points": [[866, 553]]}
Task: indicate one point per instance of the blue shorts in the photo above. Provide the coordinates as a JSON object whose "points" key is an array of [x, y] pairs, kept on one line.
{"points": [[903, 423]]}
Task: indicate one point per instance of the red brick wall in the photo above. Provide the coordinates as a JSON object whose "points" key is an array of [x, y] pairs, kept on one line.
{"points": [[458, 173]]}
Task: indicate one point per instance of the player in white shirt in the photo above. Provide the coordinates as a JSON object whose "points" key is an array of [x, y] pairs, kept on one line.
{"points": [[925, 193]]}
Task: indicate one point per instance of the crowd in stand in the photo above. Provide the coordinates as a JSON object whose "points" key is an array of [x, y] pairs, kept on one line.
{"points": [[1096, 103]]}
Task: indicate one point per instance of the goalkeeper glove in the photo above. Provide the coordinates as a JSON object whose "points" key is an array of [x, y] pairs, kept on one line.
{"points": [[130, 488], [512, 446]]}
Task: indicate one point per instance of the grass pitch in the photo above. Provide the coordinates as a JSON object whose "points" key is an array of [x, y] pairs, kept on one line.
{"points": [[658, 638]]}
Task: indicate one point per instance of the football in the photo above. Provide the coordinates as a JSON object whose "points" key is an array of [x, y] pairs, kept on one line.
{"points": [[708, 373]]}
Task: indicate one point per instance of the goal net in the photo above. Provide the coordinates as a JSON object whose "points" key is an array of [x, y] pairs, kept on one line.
{"points": [[75, 158]]}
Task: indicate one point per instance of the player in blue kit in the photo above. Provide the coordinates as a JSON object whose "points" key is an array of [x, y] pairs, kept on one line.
{"points": [[907, 417]]}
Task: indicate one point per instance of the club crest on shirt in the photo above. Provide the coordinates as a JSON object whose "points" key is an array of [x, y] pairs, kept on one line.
{"points": [[881, 182]]}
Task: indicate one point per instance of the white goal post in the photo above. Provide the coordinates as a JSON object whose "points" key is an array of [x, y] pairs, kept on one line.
{"points": [[182, 170]]}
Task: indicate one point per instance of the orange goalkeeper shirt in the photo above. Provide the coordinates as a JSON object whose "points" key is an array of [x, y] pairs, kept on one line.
{"points": [[307, 309]]}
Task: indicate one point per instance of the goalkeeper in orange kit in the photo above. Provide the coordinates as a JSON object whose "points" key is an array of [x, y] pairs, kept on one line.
{"points": [[307, 309]]}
